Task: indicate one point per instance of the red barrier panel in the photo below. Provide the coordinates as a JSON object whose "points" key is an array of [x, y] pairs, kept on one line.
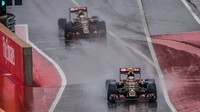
{"points": [[14, 97], [12, 56], [15, 57]]}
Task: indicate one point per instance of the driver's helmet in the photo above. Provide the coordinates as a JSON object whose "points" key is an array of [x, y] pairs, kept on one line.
{"points": [[80, 13], [130, 73]]}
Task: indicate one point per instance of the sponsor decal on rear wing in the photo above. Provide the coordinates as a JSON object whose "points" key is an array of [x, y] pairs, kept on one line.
{"points": [[77, 9], [126, 70]]}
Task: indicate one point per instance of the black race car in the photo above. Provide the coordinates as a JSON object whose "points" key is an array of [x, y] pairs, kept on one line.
{"points": [[131, 87], [81, 25]]}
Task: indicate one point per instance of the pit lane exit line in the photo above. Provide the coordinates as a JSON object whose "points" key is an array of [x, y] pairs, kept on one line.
{"points": [[60, 71], [157, 67]]}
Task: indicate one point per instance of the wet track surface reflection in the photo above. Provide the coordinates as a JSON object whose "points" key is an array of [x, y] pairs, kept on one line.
{"points": [[87, 63], [130, 106]]}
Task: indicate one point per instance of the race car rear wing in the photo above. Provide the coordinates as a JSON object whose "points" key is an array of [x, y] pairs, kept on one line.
{"points": [[126, 70], [77, 9]]}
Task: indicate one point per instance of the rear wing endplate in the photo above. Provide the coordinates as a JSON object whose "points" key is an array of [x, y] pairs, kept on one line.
{"points": [[77, 9]]}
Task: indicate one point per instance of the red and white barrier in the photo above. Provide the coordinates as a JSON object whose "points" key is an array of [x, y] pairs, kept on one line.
{"points": [[13, 56]]}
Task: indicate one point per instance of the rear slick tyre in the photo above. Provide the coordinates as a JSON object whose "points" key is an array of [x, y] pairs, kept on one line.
{"points": [[61, 26], [111, 90]]}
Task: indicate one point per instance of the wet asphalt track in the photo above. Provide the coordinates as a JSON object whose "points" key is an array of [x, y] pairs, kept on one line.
{"points": [[87, 63]]}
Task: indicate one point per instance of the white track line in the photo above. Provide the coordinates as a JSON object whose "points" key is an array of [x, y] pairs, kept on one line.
{"points": [[64, 81], [191, 11], [160, 74]]}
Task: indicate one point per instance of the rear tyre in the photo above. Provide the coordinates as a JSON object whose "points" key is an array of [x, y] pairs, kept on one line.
{"points": [[110, 81], [101, 27], [68, 31], [111, 90], [61, 26], [151, 88]]}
